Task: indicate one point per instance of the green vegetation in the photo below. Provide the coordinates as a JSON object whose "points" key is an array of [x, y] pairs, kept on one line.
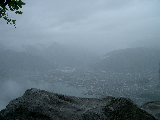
{"points": [[14, 5]]}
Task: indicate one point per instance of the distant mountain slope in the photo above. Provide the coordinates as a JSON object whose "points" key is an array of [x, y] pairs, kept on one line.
{"points": [[67, 56], [60, 55], [39, 57], [131, 59], [12, 62]]}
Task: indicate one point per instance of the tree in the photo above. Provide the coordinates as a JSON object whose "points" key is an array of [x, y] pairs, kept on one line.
{"points": [[12, 5]]}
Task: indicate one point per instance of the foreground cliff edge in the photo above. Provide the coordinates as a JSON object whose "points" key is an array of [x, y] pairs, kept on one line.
{"points": [[38, 104]]}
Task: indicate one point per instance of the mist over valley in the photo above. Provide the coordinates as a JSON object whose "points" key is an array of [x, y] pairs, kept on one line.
{"points": [[131, 72], [90, 55]]}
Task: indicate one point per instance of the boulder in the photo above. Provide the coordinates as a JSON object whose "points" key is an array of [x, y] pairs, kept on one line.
{"points": [[152, 108], [38, 104]]}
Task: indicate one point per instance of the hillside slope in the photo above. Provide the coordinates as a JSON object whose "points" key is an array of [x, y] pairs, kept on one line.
{"points": [[16, 63], [38, 104], [130, 59]]}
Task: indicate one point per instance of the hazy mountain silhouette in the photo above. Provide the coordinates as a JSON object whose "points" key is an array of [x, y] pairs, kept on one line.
{"points": [[13, 62], [130, 59], [39, 57], [62, 55]]}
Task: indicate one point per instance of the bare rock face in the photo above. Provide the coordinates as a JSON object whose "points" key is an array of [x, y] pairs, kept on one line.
{"points": [[153, 108], [38, 104]]}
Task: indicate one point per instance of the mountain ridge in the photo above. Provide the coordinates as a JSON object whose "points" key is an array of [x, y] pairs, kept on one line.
{"points": [[130, 59]]}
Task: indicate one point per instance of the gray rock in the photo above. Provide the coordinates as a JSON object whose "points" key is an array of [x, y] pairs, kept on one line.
{"points": [[153, 108], [38, 104]]}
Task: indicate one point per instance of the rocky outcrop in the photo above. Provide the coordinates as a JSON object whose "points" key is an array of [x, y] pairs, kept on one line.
{"points": [[153, 108], [38, 104]]}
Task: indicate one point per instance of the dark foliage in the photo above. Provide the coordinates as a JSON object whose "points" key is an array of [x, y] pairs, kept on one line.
{"points": [[14, 5]]}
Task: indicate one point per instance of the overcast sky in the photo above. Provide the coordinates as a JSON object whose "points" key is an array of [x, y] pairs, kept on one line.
{"points": [[98, 25]]}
